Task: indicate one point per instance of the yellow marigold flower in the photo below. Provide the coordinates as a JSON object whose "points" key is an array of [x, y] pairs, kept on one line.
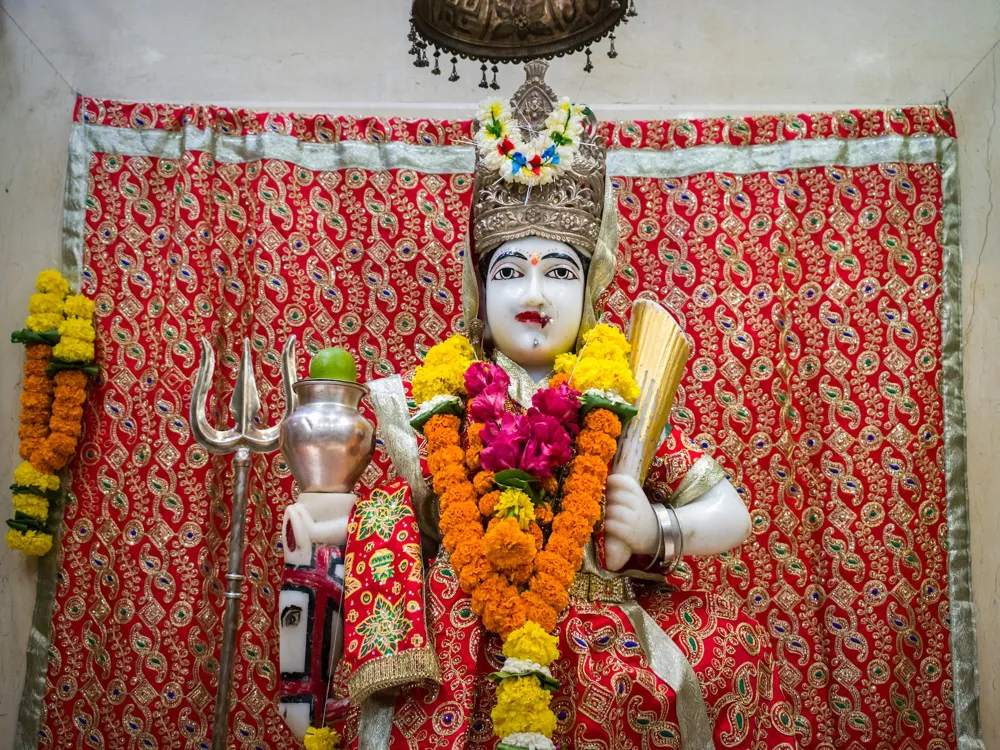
{"points": [[523, 706], [443, 370], [73, 350], [44, 303], [34, 505], [531, 642], [607, 334], [517, 504], [452, 348], [324, 738], [29, 542], [565, 362], [43, 322], [77, 328], [52, 282], [80, 306], [27, 476]]}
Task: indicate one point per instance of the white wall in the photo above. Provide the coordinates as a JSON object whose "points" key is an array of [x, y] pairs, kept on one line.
{"points": [[697, 58]]}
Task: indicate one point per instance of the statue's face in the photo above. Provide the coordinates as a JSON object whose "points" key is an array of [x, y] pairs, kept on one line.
{"points": [[534, 299]]}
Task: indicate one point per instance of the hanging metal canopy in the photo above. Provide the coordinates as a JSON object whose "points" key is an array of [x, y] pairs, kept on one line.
{"points": [[511, 31]]}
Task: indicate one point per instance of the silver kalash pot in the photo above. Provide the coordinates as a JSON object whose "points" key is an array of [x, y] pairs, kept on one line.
{"points": [[325, 439]]}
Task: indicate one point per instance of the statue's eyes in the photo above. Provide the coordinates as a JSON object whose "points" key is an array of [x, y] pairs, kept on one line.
{"points": [[291, 616], [506, 273], [563, 273]]}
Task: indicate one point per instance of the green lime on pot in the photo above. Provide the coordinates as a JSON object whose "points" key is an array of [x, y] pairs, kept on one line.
{"points": [[334, 364]]}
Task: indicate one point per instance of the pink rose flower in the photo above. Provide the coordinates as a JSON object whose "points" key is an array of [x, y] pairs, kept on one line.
{"points": [[561, 403], [488, 405], [479, 376], [503, 442], [547, 448]]}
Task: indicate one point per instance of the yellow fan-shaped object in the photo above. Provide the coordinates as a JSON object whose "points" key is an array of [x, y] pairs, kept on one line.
{"points": [[659, 355]]}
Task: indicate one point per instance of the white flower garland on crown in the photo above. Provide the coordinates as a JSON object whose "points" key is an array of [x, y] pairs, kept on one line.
{"points": [[545, 157]]}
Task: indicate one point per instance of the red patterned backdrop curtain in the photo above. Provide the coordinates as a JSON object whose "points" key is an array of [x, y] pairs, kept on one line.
{"points": [[806, 257]]}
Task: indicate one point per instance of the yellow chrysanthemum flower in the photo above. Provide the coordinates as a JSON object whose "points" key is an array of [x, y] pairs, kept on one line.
{"points": [[532, 643], [29, 542], [43, 322], [35, 506], [27, 476], [77, 328], [453, 347], [80, 306], [523, 706], [608, 334], [73, 350], [517, 504], [45, 303], [443, 370], [603, 375], [323, 738], [52, 282], [565, 363]]}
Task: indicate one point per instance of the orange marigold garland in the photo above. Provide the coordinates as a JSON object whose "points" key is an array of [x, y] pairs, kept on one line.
{"points": [[59, 350], [518, 579]]}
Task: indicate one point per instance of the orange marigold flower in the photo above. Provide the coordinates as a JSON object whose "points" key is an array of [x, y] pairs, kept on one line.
{"points": [[550, 485], [604, 421], [40, 352], [594, 443], [68, 412], [488, 591], [460, 536], [31, 400], [552, 564], [449, 476], [543, 514], [28, 446], [483, 482], [547, 587], [34, 367], [575, 528], [472, 458], [37, 384], [591, 465], [28, 431], [71, 427], [583, 506], [60, 444], [465, 552], [70, 396], [457, 493], [472, 575], [437, 460], [71, 379], [558, 379], [488, 502], [508, 614], [539, 612], [566, 547], [458, 515], [507, 547], [536, 532], [579, 483], [35, 415]]}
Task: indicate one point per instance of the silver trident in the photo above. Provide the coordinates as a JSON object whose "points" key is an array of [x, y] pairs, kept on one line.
{"points": [[243, 439]]}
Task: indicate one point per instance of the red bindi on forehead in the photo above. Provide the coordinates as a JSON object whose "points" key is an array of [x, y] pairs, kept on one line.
{"points": [[534, 259]]}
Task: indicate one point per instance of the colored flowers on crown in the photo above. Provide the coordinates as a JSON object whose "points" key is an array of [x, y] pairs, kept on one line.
{"points": [[536, 162]]}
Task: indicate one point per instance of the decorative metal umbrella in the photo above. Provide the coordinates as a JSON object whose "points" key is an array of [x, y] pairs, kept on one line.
{"points": [[511, 31]]}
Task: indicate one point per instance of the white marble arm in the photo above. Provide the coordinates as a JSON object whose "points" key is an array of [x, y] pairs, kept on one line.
{"points": [[714, 522]]}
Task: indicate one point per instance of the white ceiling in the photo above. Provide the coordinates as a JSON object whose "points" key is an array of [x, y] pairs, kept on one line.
{"points": [[711, 55]]}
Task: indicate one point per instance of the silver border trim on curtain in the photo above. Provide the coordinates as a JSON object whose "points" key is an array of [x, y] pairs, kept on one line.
{"points": [[87, 140]]}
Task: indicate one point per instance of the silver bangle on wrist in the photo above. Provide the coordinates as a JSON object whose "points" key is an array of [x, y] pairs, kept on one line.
{"points": [[671, 546]]}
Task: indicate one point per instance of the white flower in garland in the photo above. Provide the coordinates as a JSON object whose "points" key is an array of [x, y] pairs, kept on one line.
{"points": [[540, 160], [528, 741]]}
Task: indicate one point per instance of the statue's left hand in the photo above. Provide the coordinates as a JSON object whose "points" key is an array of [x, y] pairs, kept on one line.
{"points": [[630, 524]]}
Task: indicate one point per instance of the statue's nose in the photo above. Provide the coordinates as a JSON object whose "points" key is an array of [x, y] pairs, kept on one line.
{"points": [[533, 295]]}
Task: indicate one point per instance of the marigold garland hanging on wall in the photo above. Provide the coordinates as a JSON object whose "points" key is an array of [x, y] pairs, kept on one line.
{"points": [[59, 352]]}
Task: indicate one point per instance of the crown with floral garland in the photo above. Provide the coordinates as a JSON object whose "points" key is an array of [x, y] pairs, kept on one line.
{"points": [[540, 169]]}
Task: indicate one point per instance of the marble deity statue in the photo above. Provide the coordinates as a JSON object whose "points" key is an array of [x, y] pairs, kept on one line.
{"points": [[639, 664]]}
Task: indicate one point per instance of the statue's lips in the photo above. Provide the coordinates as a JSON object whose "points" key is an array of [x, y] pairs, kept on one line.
{"points": [[533, 316]]}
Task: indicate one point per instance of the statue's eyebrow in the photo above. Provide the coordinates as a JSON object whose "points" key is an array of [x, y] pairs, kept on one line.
{"points": [[507, 254], [564, 256]]}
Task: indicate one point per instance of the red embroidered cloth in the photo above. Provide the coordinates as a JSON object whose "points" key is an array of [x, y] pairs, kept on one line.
{"points": [[812, 299]]}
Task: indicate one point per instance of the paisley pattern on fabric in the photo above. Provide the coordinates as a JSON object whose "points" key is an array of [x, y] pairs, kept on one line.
{"points": [[812, 301]]}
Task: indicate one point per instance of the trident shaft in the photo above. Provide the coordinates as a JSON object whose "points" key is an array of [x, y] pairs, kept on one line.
{"points": [[242, 439]]}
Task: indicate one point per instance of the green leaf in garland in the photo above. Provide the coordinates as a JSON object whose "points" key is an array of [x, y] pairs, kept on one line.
{"points": [[516, 479], [49, 495], [23, 522], [549, 683], [590, 401], [24, 336], [55, 365], [451, 406]]}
